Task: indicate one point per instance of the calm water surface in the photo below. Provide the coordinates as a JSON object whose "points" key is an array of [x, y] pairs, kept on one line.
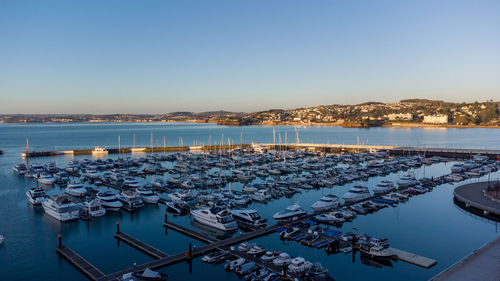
{"points": [[429, 225]]}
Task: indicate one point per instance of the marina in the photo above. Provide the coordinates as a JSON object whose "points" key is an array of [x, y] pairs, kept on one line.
{"points": [[242, 178]]}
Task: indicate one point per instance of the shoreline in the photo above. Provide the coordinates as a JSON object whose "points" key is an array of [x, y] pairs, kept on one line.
{"points": [[311, 124]]}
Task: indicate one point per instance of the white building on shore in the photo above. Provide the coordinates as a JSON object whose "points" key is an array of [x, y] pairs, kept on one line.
{"points": [[436, 119]]}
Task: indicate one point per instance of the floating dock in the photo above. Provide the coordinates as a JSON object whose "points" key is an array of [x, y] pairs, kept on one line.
{"points": [[83, 265], [141, 246], [226, 242], [413, 258]]}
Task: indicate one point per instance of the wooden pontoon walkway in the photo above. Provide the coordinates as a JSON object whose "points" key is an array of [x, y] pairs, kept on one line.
{"points": [[413, 258], [83, 265], [226, 242], [141, 246], [196, 252]]}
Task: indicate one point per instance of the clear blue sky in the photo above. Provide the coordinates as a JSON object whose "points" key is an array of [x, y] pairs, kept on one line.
{"points": [[185, 55]]}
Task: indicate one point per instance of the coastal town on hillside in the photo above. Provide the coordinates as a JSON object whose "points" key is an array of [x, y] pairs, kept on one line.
{"points": [[410, 112]]}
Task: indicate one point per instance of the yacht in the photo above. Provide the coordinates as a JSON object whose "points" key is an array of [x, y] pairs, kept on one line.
{"points": [[148, 195], [326, 202], [215, 217], [75, 189], [383, 187], [36, 195], [407, 180], [92, 208], [282, 259], [92, 174], [109, 201], [182, 197], [20, 169], [261, 195], [356, 193], [330, 218], [45, 178], [457, 168], [248, 218], [299, 264], [36, 168], [291, 212], [60, 207], [131, 182], [131, 201], [177, 208]]}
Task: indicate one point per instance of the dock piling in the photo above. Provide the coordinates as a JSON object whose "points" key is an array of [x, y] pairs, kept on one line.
{"points": [[190, 251], [117, 226], [59, 238]]}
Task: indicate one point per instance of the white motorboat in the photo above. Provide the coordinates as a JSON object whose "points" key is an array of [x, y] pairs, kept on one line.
{"points": [[299, 264], [36, 168], [75, 189], [36, 195], [181, 197], [100, 150], [270, 256], [256, 250], [131, 182], [291, 212], [109, 201], [92, 208], [92, 174], [326, 202], [249, 189], [383, 187], [20, 169], [215, 217], [260, 195], [45, 178], [407, 180], [457, 168], [356, 193], [232, 265], [216, 256], [347, 214], [376, 252], [248, 218], [282, 259], [130, 200], [60, 207], [330, 218], [289, 232], [148, 195]]}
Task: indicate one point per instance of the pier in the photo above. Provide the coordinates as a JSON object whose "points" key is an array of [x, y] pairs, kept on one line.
{"points": [[462, 153], [141, 246], [80, 263], [474, 196], [480, 265]]}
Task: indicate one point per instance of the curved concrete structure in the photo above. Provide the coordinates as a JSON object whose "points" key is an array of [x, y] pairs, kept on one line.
{"points": [[473, 195]]}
